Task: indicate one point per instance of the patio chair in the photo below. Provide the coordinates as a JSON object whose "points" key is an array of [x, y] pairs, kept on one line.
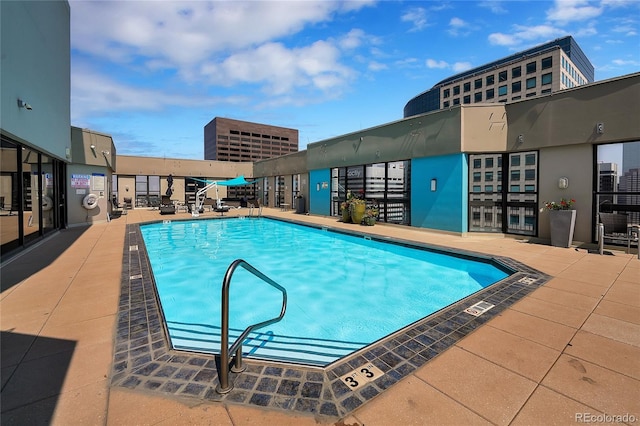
{"points": [[167, 206], [117, 207], [128, 203], [617, 229]]}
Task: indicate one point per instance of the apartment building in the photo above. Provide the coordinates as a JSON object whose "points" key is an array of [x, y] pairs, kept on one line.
{"points": [[541, 70], [234, 140]]}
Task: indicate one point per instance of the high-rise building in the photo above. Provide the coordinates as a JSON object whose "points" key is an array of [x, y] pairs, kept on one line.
{"points": [[607, 182], [234, 140], [547, 68]]}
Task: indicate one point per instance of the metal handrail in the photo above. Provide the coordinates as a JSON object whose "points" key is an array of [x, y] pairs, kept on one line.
{"points": [[225, 350]]}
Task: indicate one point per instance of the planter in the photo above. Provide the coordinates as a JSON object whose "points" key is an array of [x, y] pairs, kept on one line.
{"points": [[562, 223], [346, 216], [357, 212], [369, 221]]}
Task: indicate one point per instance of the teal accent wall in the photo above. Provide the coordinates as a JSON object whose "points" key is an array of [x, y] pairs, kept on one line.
{"points": [[319, 197], [447, 208]]}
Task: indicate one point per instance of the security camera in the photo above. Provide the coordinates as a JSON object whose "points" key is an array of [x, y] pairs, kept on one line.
{"points": [[24, 104], [92, 146], [27, 106]]}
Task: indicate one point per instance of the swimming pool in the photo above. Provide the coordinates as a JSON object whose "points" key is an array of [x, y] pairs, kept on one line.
{"points": [[345, 291]]}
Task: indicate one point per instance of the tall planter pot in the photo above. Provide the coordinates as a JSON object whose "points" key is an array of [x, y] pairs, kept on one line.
{"points": [[357, 212], [562, 222]]}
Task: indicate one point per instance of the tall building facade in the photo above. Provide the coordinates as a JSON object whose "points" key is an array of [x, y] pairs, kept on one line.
{"points": [[234, 140], [547, 68]]}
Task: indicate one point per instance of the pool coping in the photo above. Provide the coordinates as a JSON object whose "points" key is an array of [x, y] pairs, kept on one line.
{"points": [[144, 360]]}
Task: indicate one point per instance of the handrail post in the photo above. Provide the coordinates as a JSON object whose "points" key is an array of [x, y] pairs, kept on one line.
{"points": [[223, 374]]}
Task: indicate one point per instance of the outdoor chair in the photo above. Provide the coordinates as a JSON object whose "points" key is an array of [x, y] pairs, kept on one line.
{"points": [[128, 203], [617, 229], [117, 207], [167, 206]]}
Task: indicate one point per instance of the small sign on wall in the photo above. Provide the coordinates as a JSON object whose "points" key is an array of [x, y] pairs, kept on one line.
{"points": [[80, 181], [97, 182]]}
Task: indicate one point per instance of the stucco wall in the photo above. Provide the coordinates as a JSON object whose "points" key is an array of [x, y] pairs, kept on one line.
{"points": [[574, 163], [36, 70], [446, 207]]}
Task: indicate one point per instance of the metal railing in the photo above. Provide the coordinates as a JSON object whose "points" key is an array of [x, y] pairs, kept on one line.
{"points": [[225, 350]]}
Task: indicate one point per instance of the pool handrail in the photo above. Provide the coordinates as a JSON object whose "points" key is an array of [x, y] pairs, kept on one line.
{"points": [[225, 350]]}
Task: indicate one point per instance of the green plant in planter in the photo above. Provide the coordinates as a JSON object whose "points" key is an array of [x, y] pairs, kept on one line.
{"points": [[370, 216]]}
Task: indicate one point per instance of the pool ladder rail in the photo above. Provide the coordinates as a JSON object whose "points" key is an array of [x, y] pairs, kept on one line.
{"points": [[224, 386]]}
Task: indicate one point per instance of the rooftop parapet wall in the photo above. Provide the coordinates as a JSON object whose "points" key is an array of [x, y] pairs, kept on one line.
{"points": [[291, 164], [571, 117], [133, 165], [425, 135]]}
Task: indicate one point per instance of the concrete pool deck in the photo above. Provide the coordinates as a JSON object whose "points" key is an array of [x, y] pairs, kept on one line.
{"points": [[567, 352]]}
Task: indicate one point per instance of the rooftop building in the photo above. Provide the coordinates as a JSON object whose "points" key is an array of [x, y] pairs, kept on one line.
{"points": [[234, 140], [547, 68]]}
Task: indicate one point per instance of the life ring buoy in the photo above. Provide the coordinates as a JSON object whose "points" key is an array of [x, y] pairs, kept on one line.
{"points": [[47, 203], [90, 202]]}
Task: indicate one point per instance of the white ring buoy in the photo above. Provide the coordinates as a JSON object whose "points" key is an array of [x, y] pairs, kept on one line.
{"points": [[47, 203], [90, 202]]}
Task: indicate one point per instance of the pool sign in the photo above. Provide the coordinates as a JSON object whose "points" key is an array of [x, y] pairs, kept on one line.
{"points": [[361, 375]]}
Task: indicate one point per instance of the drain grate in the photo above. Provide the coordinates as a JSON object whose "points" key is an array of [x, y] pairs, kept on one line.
{"points": [[133, 248], [479, 308], [527, 280]]}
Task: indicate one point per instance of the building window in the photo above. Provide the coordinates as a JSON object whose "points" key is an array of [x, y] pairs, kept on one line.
{"points": [[529, 95], [529, 188], [488, 162], [466, 99], [477, 188], [456, 101], [477, 176], [467, 87], [477, 97], [446, 93], [502, 76], [516, 86], [477, 163], [490, 79], [516, 98], [530, 160], [515, 160], [446, 104], [488, 176], [546, 63], [531, 83], [490, 94], [488, 188], [514, 188], [546, 91], [531, 67], [546, 79], [502, 90], [477, 84], [515, 175], [456, 90], [516, 72], [530, 174]]}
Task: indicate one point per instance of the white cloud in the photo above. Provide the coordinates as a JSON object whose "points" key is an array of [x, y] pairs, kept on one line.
{"points": [[524, 34], [495, 6], [377, 66], [417, 16], [625, 62], [461, 66], [457, 27], [565, 11], [432, 63]]}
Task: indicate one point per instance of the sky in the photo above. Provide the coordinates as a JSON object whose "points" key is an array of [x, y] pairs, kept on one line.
{"points": [[153, 73]]}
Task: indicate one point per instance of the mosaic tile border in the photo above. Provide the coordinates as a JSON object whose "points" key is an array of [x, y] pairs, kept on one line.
{"points": [[143, 359]]}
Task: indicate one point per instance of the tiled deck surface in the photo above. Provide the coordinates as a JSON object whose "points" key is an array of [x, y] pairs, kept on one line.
{"points": [[568, 351]]}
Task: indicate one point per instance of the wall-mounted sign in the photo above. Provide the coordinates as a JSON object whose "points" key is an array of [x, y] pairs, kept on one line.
{"points": [[80, 181], [98, 181]]}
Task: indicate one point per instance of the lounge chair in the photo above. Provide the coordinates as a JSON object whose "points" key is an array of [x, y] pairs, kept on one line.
{"points": [[117, 208], [167, 206], [128, 203], [617, 229]]}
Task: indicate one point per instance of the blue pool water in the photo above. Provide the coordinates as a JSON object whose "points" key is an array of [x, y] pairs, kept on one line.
{"points": [[344, 292]]}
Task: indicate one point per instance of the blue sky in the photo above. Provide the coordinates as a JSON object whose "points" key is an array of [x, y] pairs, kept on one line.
{"points": [[152, 74]]}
